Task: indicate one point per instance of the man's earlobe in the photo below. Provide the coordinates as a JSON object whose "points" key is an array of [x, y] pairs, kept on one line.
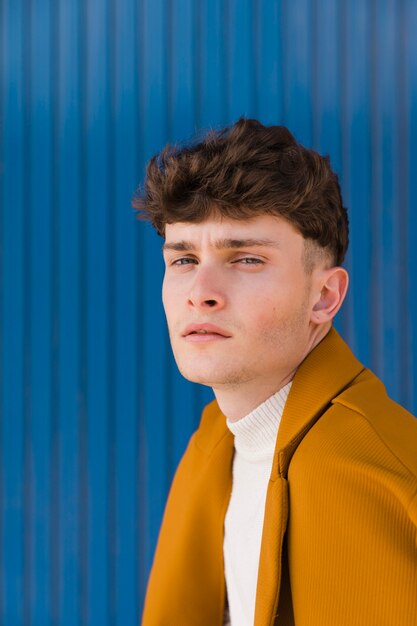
{"points": [[334, 286]]}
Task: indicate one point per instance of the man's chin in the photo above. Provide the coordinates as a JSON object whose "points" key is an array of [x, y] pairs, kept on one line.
{"points": [[215, 378], [201, 379]]}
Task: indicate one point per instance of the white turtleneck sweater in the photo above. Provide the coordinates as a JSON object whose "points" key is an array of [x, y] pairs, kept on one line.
{"points": [[255, 437]]}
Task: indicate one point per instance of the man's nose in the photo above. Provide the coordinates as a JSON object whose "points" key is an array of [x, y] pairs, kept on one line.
{"points": [[206, 291]]}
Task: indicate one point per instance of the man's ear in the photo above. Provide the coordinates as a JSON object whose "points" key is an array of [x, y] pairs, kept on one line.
{"points": [[333, 283]]}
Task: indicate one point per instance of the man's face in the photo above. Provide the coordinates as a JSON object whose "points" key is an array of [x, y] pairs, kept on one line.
{"points": [[238, 301]]}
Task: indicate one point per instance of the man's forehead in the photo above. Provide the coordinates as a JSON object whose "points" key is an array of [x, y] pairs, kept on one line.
{"points": [[266, 231]]}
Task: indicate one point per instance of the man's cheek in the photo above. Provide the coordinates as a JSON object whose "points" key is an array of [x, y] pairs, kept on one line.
{"points": [[268, 313]]}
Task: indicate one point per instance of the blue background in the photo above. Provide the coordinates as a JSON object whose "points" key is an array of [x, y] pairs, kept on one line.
{"points": [[94, 416]]}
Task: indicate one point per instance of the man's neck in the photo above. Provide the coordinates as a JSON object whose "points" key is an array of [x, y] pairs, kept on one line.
{"points": [[240, 400]]}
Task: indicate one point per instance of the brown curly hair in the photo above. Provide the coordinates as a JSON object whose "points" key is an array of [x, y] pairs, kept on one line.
{"points": [[242, 171]]}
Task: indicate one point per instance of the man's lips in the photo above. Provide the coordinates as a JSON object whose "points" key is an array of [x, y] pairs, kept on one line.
{"points": [[201, 331]]}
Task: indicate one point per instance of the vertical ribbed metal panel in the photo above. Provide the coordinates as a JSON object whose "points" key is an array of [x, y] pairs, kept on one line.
{"points": [[94, 416]]}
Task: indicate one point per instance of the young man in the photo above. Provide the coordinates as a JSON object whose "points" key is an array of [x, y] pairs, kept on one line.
{"points": [[296, 500]]}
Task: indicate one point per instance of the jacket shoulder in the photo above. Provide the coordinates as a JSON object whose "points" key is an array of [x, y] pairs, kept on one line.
{"points": [[394, 425]]}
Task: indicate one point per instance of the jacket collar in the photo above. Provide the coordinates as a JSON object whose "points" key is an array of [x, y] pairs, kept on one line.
{"points": [[326, 371]]}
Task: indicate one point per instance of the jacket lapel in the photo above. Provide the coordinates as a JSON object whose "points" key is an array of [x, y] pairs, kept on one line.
{"points": [[326, 371]]}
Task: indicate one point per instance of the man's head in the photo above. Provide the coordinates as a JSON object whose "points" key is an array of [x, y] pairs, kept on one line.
{"points": [[247, 170], [254, 233]]}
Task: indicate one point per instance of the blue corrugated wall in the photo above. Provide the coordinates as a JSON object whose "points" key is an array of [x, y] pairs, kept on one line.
{"points": [[94, 416]]}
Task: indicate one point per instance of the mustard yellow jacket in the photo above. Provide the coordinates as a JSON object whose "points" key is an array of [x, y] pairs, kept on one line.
{"points": [[339, 543]]}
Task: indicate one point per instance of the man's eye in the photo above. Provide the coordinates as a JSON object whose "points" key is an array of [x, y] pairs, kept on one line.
{"points": [[250, 261], [184, 261]]}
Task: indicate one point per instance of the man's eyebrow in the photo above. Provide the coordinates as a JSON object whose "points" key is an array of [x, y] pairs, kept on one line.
{"points": [[221, 244], [179, 246], [246, 243]]}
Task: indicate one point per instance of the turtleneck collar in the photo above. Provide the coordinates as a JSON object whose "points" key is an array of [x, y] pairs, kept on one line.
{"points": [[256, 433]]}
